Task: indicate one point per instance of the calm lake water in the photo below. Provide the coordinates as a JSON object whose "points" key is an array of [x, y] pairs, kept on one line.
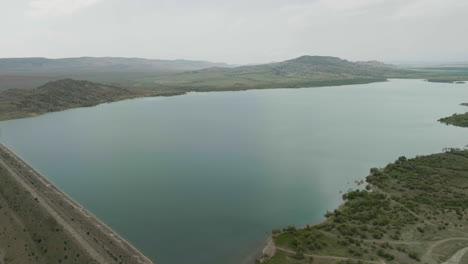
{"points": [[201, 178]]}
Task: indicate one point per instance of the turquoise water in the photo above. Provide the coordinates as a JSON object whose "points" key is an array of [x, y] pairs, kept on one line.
{"points": [[201, 178]]}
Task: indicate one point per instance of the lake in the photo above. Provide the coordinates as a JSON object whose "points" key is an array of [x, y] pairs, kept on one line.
{"points": [[203, 177]]}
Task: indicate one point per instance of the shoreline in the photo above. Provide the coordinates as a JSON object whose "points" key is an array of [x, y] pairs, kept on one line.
{"points": [[154, 94], [270, 249], [106, 243], [254, 255]]}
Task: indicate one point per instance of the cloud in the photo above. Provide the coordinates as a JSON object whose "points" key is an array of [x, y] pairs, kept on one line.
{"points": [[46, 8]]}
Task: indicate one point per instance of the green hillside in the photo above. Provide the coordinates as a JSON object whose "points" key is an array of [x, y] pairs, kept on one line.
{"points": [[62, 94]]}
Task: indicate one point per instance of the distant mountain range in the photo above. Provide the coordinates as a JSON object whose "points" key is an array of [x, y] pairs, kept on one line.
{"points": [[104, 64], [113, 79]]}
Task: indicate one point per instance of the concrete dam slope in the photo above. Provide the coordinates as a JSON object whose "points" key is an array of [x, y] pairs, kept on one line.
{"points": [[41, 224]]}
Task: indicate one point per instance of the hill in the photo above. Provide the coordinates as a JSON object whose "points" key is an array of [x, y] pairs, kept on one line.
{"points": [[319, 67], [62, 94], [305, 71], [103, 64]]}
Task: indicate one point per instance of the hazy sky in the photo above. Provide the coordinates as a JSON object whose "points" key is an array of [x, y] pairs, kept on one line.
{"points": [[236, 31]]}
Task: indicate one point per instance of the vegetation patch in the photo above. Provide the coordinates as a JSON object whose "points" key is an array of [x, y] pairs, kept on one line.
{"points": [[460, 120]]}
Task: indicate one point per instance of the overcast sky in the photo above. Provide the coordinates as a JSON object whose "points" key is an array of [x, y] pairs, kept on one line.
{"points": [[236, 31]]}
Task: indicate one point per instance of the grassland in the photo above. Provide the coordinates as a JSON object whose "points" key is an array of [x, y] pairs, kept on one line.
{"points": [[412, 211]]}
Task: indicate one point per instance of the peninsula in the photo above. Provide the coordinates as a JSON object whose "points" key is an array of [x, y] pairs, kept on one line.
{"points": [[411, 211], [460, 120]]}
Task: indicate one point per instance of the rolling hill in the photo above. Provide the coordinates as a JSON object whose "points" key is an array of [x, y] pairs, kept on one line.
{"points": [[61, 95]]}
